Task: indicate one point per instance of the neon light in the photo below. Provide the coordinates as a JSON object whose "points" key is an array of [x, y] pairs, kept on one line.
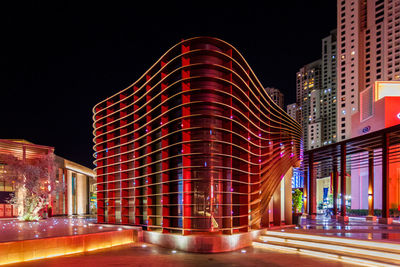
{"points": [[339, 240], [23, 255], [341, 258]]}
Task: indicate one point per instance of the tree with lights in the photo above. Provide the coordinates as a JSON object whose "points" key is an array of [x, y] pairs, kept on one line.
{"points": [[34, 183]]}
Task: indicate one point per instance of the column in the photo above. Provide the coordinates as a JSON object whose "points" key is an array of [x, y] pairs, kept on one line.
{"points": [[67, 190], [186, 148], [288, 197], [385, 181], [371, 216], [305, 191], [335, 187], [165, 199], [276, 205], [343, 216], [312, 184]]}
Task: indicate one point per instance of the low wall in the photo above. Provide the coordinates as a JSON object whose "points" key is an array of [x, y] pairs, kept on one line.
{"points": [[202, 243], [8, 211], [25, 250]]}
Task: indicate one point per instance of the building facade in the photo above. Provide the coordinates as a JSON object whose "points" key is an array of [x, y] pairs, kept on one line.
{"points": [[308, 87], [380, 109], [316, 97], [368, 161], [328, 94], [78, 198], [194, 145], [368, 51], [293, 111], [277, 96]]}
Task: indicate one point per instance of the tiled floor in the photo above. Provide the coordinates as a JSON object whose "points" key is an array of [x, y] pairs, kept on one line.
{"points": [[356, 228], [140, 254], [13, 230], [150, 255]]}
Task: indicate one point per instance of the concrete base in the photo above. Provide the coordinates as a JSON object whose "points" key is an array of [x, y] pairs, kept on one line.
{"points": [[385, 220], [370, 218], [25, 250], [202, 243], [343, 218]]}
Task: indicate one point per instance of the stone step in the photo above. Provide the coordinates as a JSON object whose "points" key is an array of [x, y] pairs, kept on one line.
{"points": [[342, 241], [326, 249]]}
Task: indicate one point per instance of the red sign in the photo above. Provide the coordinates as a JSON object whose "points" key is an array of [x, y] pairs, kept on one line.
{"points": [[392, 107]]}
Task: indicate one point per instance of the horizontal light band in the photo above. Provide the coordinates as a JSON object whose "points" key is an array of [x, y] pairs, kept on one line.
{"points": [[324, 255], [370, 244]]}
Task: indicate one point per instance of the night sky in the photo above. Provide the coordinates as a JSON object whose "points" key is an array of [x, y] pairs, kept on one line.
{"points": [[61, 58]]}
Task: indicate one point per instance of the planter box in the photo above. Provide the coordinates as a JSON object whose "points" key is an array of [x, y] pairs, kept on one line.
{"points": [[296, 218]]}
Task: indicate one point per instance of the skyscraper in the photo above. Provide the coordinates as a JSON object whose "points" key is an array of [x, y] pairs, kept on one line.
{"points": [[368, 51], [328, 108], [308, 85], [276, 95], [293, 111], [316, 97]]}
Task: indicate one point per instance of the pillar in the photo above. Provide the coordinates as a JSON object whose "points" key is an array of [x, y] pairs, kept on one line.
{"points": [[343, 216], [312, 184], [335, 187], [265, 223], [385, 180], [343, 179], [371, 216], [288, 197], [305, 191], [276, 204]]}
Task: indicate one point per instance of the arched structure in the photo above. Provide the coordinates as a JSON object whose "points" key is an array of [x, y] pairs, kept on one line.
{"points": [[194, 145]]}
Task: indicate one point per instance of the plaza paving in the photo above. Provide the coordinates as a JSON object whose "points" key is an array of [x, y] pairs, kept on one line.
{"points": [[141, 254], [150, 255], [14, 230], [356, 228]]}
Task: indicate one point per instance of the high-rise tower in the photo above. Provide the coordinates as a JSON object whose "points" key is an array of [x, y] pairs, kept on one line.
{"points": [[308, 93], [368, 51]]}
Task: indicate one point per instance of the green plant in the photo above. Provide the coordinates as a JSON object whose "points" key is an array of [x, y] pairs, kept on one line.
{"points": [[297, 201]]}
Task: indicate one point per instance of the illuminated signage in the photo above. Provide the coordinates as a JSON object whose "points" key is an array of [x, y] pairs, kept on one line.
{"points": [[366, 129]]}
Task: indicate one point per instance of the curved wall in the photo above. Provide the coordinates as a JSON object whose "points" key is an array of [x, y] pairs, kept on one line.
{"points": [[194, 145]]}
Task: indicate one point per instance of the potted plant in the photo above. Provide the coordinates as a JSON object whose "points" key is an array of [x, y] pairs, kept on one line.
{"points": [[297, 202], [50, 211]]}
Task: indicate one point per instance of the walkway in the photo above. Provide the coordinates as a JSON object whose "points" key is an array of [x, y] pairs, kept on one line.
{"points": [[26, 241], [151, 255], [356, 228], [357, 241], [14, 230]]}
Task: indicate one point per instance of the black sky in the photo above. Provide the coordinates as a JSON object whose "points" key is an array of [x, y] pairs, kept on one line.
{"points": [[61, 58]]}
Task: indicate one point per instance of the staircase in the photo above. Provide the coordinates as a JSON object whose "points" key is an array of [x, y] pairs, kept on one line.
{"points": [[361, 252]]}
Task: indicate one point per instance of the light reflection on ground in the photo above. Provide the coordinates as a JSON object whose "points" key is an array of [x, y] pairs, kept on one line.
{"points": [[13, 230], [356, 228]]}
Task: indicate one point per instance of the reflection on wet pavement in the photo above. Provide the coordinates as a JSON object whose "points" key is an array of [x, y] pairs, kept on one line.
{"points": [[356, 228]]}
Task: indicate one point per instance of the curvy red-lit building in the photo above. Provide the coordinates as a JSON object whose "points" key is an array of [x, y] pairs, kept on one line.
{"points": [[194, 145]]}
